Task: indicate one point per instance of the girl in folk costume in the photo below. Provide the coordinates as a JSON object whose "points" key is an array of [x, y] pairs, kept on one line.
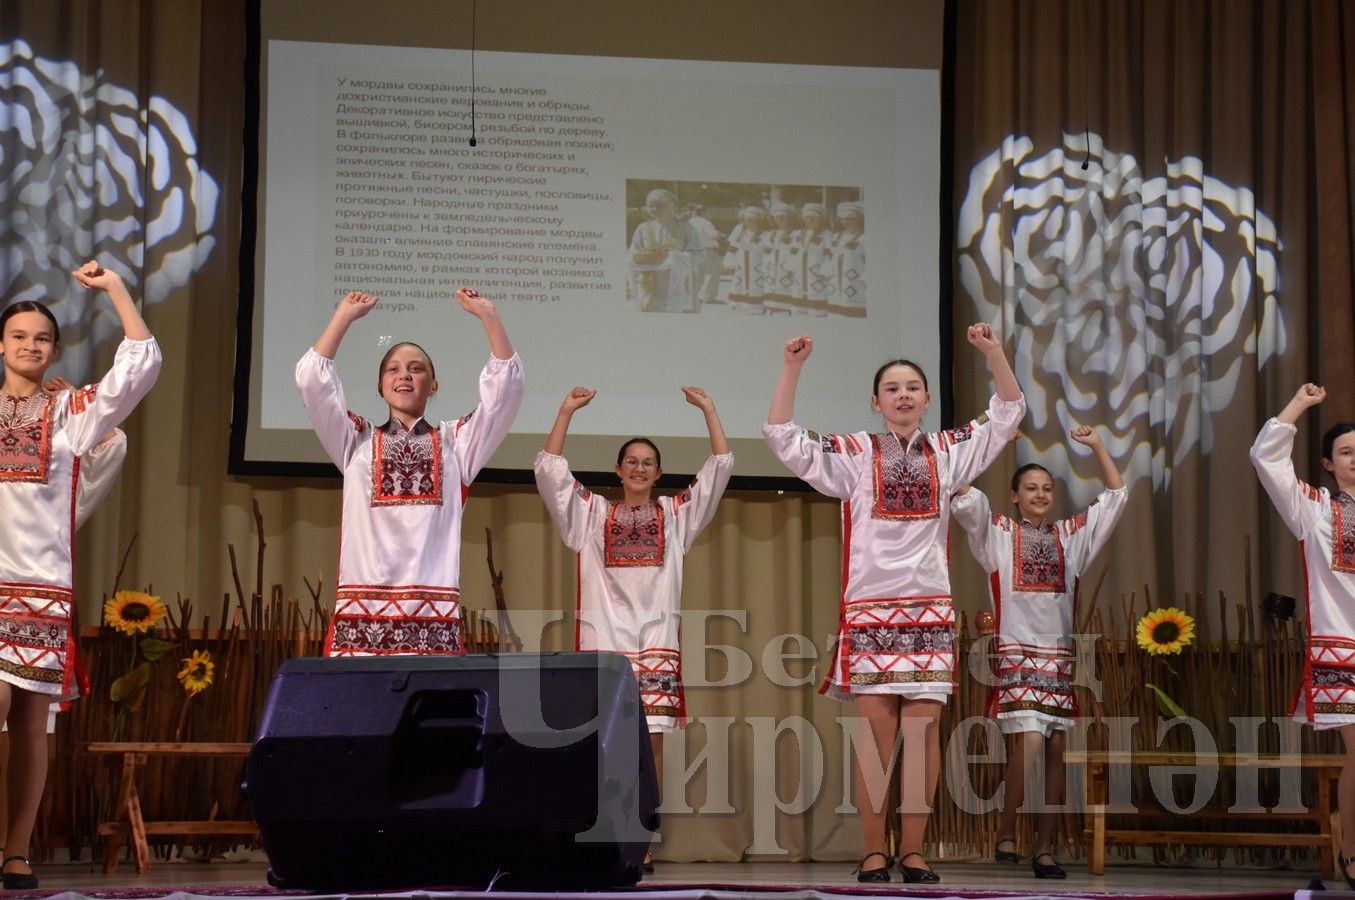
{"points": [[782, 259], [1034, 566], [42, 436], [849, 260], [404, 485], [817, 258], [744, 259], [1325, 527], [894, 654], [631, 553]]}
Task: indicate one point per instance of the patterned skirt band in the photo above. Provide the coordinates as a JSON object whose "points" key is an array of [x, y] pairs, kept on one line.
{"points": [[899, 645], [387, 621], [36, 641]]}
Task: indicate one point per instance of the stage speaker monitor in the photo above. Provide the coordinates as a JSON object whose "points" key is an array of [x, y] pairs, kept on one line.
{"points": [[530, 771]]}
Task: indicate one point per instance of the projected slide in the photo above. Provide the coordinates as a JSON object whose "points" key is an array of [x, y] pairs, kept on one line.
{"points": [[641, 225]]}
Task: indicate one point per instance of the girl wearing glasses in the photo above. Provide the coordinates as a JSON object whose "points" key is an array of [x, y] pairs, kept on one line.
{"points": [[631, 552]]}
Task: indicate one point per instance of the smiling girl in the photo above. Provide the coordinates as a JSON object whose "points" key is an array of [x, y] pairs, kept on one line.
{"points": [[631, 553], [894, 653], [42, 436], [404, 485], [1035, 565], [1325, 526]]}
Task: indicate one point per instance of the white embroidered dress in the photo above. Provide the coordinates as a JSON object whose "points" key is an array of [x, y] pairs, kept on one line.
{"points": [[1033, 581], [896, 627], [41, 440], [403, 495], [1325, 527], [630, 573]]}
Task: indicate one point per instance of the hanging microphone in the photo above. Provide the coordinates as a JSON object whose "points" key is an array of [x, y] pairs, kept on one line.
{"points": [[472, 73], [1087, 161]]}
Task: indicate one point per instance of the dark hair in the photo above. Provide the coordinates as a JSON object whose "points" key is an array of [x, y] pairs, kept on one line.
{"points": [[1329, 439], [658, 457], [1028, 467], [31, 306], [385, 359], [880, 373]]}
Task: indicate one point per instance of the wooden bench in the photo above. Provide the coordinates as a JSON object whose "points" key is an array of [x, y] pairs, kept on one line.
{"points": [[128, 807], [1327, 837]]}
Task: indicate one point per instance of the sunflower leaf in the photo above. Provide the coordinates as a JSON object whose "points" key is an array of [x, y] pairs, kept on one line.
{"points": [[1165, 704], [154, 648], [131, 687]]}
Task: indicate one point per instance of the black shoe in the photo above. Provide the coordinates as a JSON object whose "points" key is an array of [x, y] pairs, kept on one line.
{"points": [[915, 874], [873, 876], [647, 866], [1005, 855], [18, 881], [1050, 870], [1347, 861]]}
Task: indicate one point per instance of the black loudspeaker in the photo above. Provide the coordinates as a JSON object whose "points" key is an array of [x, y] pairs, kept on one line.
{"points": [[528, 771]]}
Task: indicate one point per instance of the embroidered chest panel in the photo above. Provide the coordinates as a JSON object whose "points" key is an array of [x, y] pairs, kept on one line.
{"points": [[633, 535], [906, 485], [407, 468], [1037, 559], [1343, 533], [25, 437]]}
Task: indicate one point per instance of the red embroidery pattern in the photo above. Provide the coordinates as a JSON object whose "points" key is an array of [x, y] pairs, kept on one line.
{"points": [[407, 467], [376, 621], [35, 632], [1343, 533], [906, 486], [1037, 559], [25, 437], [81, 398], [1034, 682], [633, 536], [359, 423], [1330, 680], [659, 673]]}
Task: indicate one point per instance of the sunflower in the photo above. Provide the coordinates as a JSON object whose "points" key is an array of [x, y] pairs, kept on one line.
{"points": [[196, 674], [1165, 631], [133, 611]]}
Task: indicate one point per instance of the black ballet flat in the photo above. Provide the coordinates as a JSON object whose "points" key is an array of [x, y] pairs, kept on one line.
{"points": [[18, 881], [1347, 861], [917, 874], [647, 866], [1006, 856], [1050, 870], [873, 876]]}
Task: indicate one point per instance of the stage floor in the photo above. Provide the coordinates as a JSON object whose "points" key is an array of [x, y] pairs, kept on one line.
{"points": [[733, 879]]}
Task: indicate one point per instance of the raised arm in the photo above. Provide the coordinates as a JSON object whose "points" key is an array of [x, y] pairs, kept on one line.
{"points": [[796, 352], [574, 401], [702, 401], [352, 307], [1304, 399], [1004, 379], [483, 309], [1110, 475], [96, 277]]}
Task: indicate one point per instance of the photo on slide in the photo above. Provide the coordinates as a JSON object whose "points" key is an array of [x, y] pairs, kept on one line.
{"points": [[745, 249]]}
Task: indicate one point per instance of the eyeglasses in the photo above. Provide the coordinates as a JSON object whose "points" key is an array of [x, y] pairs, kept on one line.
{"points": [[639, 463]]}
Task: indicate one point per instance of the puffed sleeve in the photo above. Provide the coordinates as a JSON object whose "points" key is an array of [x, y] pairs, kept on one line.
{"points": [[340, 432], [1298, 503], [973, 447], [99, 469], [1086, 533], [479, 433], [695, 506], [972, 511], [570, 504], [97, 408], [826, 462]]}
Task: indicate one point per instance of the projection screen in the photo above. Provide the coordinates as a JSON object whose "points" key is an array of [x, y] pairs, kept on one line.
{"points": [[641, 223]]}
